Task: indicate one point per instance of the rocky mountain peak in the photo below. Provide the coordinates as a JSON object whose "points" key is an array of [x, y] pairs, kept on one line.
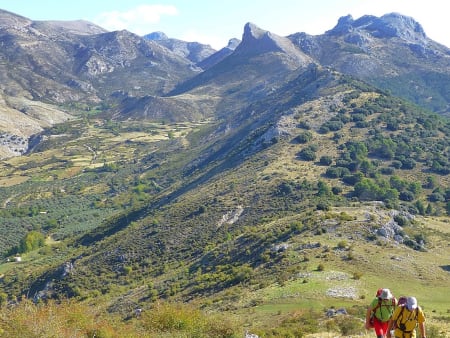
{"points": [[258, 41], [344, 25], [233, 43], [387, 26], [401, 26], [156, 36], [252, 31]]}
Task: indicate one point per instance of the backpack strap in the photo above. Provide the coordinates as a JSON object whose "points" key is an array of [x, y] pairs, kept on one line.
{"points": [[378, 305], [400, 316], [374, 310]]}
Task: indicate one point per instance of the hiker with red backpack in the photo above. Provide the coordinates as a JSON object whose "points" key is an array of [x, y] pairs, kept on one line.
{"points": [[380, 312], [405, 319]]}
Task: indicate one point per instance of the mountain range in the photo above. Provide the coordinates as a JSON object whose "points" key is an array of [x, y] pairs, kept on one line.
{"points": [[61, 64], [291, 170]]}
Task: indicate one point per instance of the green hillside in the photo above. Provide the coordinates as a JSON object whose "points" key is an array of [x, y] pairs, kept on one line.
{"points": [[308, 200]]}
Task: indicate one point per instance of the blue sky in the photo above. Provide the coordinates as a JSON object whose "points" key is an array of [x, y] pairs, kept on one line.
{"points": [[214, 22]]}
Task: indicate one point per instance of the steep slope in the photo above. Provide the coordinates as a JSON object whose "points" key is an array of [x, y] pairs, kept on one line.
{"points": [[391, 51], [216, 212]]}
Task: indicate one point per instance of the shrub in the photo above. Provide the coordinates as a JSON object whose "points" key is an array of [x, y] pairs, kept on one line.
{"points": [[323, 205], [181, 320], [27, 319], [357, 275], [337, 172], [436, 197], [332, 125], [408, 164], [336, 190], [326, 160], [407, 196], [402, 221], [387, 170], [307, 155], [303, 137], [342, 244], [349, 325]]}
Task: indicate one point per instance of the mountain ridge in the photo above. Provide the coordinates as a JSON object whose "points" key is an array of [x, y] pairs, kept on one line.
{"points": [[92, 71]]}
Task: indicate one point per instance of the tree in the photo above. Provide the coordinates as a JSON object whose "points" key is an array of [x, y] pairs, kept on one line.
{"points": [[32, 240], [357, 150], [369, 190], [383, 147]]}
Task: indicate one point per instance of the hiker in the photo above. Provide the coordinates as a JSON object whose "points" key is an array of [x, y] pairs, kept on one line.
{"points": [[406, 318], [380, 311]]}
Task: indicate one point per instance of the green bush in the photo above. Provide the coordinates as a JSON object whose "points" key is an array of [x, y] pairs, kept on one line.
{"points": [[307, 155], [326, 160], [303, 137]]}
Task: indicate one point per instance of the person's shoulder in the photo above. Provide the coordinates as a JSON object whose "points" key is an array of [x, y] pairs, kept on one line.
{"points": [[420, 315], [397, 311]]}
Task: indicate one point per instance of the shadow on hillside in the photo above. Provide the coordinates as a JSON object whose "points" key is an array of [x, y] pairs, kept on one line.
{"points": [[445, 267]]}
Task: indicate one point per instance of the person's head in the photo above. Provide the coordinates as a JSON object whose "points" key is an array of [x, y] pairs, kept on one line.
{"points": [[386, 294], [411, 303]]}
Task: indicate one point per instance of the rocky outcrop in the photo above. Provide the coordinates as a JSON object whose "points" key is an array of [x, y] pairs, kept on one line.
{"points": [[258, 41], [388, 26]]}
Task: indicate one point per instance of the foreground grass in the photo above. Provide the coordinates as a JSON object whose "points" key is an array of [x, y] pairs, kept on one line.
{"points": [[72, 319]]}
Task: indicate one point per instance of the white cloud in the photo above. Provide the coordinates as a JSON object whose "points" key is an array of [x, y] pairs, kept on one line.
{"points": [[137, 20]]}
